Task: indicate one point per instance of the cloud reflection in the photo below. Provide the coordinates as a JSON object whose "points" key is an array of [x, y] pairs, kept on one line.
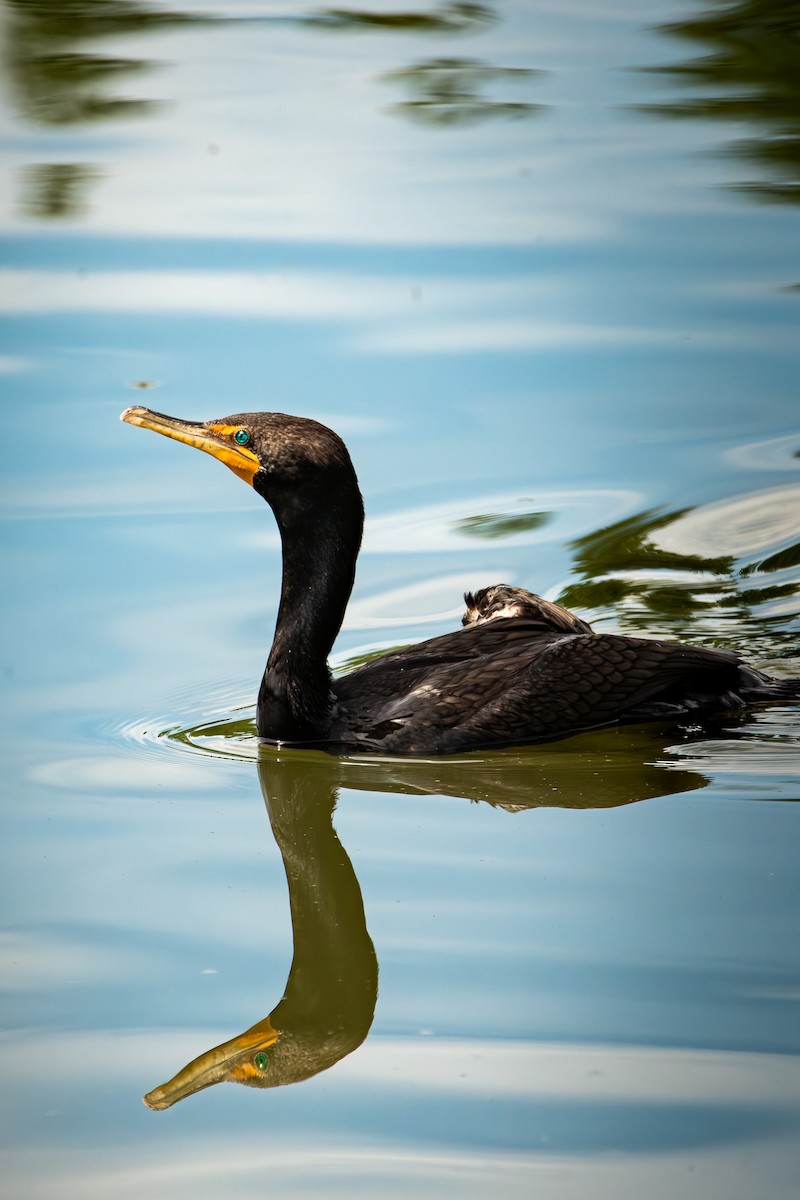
{"points": [[738, 525], [101, 774]]}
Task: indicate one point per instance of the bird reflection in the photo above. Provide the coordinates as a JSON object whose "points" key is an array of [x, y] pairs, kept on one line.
{"points": [[601, 769], [328, 1004]]}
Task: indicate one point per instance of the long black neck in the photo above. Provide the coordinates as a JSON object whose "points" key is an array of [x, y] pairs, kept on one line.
{"points": [[320, 524]]}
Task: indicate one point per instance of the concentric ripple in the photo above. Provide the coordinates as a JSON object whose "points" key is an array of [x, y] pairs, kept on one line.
{"points": [[220, 724]]}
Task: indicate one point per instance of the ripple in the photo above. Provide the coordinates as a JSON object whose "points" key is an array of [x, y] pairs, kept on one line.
{"points": [[771, 454], [599, 769], [766, 748], [217, 724], [745, 524]]}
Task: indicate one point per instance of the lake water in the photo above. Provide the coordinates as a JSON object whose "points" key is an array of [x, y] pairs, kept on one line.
{"points": [[538, 264]]}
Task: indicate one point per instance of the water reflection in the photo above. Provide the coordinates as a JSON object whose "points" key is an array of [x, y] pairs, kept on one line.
{"points": [[669, 572], [447, 18], [56, 82], [447, 91], [732, 563], [592, 770], [57, 190], [328, 1004], [602, 768], [499, 525], [749, 73]]}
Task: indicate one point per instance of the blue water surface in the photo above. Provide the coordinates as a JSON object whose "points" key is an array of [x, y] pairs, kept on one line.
{"points": [[538, 265]]}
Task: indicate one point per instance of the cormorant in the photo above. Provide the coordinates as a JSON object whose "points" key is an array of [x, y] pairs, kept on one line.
{"points": [[501, 601], [512, 680]]}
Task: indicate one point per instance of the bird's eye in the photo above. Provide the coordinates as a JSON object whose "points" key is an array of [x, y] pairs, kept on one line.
{"points": [[241, 437], [261, 1060]]}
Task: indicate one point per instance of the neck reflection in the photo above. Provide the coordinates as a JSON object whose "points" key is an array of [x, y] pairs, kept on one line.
{"points": [[329, 1001], [327, 1007]]}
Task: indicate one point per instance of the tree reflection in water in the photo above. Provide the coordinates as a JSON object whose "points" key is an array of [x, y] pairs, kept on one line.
{"points": [[740, 602], [750, 73], [57, 83], [446, 91], [58, 190], [724, 574], [447, 18]]}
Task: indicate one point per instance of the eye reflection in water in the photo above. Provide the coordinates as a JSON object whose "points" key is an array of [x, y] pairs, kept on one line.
{"points": [[328, 1004]]}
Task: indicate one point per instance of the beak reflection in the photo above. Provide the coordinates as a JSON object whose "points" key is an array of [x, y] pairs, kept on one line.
{"points": [[328, 1003]]}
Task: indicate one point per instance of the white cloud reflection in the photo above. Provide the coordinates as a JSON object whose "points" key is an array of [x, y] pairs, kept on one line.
{"points": [[387, 313], [771, 454], [12, 366], [306, 295], [436, 527], [690, 1154], [37, 960], [741, 525], [435, 599], [116, 774]]}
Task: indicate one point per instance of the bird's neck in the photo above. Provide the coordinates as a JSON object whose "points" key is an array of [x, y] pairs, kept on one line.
{"points": [[330, 994], [319, 557]]}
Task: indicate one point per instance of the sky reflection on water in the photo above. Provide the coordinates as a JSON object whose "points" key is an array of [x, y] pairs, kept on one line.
{"points": [[574, 311]]}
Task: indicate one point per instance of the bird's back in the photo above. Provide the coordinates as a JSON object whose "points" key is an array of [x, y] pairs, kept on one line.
{"points": [[510, 682]]}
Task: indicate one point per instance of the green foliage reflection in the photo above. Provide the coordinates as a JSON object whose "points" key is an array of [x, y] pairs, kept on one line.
{"points": [[448, 18], [655, 590], [55, 82], [499, 525], [445, 91], [750, 73], [57, 190]]}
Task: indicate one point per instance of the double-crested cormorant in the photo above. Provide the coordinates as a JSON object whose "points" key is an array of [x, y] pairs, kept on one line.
{"points": [[501, 601], [507, 681]]}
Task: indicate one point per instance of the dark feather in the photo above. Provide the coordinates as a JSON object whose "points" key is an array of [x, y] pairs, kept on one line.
{"points": [[523, 670]]}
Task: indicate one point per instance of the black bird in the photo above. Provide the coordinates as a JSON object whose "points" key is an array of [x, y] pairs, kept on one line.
{"points": [[501, 601], [509, 681]]}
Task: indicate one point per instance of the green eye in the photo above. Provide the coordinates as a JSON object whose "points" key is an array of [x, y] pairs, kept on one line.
{"points": [[261, 1060], [241, 437]]}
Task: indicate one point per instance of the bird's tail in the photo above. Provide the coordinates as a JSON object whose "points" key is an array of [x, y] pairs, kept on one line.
{"points": [[756, 687]]}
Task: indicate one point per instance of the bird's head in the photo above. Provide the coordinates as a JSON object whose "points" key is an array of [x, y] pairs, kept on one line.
{"points": [[276, 454]]}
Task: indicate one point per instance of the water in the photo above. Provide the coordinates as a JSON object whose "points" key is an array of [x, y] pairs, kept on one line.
{"points": [[538, 265]]}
